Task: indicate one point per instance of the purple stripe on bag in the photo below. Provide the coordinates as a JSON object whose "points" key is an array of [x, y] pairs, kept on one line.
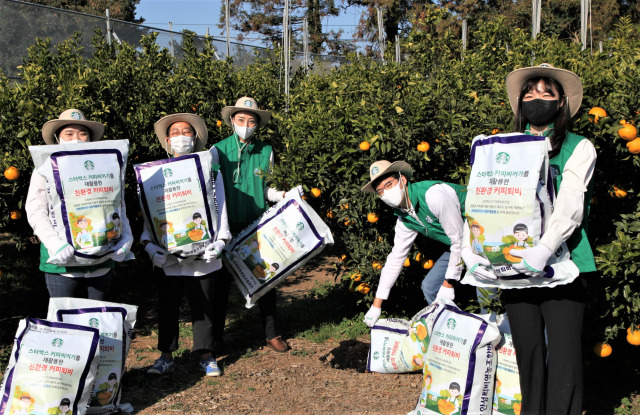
{"points": [[503, 139], [383, 328]]}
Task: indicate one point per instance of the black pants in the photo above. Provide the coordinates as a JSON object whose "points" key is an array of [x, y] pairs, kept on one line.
{"points": [[200, 294], [550, 372], [266, 305]]}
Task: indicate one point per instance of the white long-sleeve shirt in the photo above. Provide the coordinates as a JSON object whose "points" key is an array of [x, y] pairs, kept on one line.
{"points": [[193, 266], [443, 202], [37, 208]]}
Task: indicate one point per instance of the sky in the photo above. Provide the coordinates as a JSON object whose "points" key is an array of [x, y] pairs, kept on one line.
{"points": [[197, 15]]}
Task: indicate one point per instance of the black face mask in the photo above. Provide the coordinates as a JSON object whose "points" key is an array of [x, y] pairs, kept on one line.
{"points": [[540, 112]]}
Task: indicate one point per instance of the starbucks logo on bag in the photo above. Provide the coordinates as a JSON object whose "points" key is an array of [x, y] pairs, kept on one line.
{"points": [[376, 355], [88, 165], [451, 324], [57, 342], [94, 323], [299, 226], [167, 173], [502, 158]]}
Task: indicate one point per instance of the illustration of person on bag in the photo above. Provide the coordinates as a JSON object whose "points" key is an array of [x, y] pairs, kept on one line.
{"points": [[83, 239], [167, 239], [477, 236], [200, 225], [23, 405], [454, 390], [521, 232]]}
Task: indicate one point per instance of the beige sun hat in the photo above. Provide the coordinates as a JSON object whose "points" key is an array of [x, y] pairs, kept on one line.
{"points": [[162, 125], [71, 116], [382, 167], [245, 104], [570, 82]]}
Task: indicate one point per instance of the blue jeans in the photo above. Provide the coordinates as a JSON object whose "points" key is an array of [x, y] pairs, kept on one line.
{"points": [[433, 280], [61, 286]]}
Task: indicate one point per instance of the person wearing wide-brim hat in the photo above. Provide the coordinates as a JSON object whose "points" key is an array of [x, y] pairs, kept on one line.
{"points": [[244, 160], [69, 128], [544, 99], [432, 208], [182, 134]]}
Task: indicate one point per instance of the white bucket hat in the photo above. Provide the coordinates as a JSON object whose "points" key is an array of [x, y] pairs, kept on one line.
{"points": [[382, 167], [245, 104], [162, 125], [71, 116], [570, 82]]}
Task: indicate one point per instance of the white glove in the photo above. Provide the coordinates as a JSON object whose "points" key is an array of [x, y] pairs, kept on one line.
{"points": [[533, 260], [158, 255], [296, 190], [213, 251], [477, 265], [65, 253], [446, 293], [372, 316], [119, 254]]}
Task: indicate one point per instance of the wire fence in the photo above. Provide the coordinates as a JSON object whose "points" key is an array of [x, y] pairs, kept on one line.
{"points": [[22, 23]]}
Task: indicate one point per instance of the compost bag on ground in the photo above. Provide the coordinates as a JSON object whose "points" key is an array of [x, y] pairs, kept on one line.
{"points": [[115, 323], [52, 366], [276, 244], [86, 195], [397, 345], [459, 363], [509, 201], [177, 199], [507, 398]]}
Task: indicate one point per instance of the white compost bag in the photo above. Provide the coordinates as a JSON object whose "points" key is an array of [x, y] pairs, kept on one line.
{"points": [[52, 366], [509, 201], [397, 345], [115, 323], [177, 198], [507, 398], [459, 364], [276, 244], [86, 195]]}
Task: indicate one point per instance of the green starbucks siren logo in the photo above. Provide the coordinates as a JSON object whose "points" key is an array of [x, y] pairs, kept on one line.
{"points": [[299, 226], [451, 324], [57, 342], [376, 355], [94, 323], [502, 158], [167, 173], [88, 165]]}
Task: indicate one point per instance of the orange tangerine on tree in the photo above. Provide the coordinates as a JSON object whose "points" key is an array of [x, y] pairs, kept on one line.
{"points": [[315, 192], [12, 173], [407, 262], [597, 113], [372, 217], [16, 215], [634, 146], [633, 335], [331, 214], [356, 276], [363, 288], [628, 131], [344, 206], [348, 222], [427, 263], [218, 123], [376, 265], [364, 146], [419, 257], [423, 146], [602, 349], [343, 257], [617, 192], [495, 131]]}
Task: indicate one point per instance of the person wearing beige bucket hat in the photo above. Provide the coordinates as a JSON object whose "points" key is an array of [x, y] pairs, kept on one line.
{"points": [[546, 323], [181, 134], [70, 127], [243, 160], [434, 209]]}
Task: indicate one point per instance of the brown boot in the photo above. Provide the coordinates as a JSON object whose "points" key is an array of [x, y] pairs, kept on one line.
{"points": [[278, 344]]}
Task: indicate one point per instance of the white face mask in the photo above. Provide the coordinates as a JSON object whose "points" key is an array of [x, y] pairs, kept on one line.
{"points": [[71, 141], [244, 132], [394, 196], [182, 144]]}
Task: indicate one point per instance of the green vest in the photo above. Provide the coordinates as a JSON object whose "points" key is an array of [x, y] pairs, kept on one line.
{"points": [[578, 244], [57, 269], [432, 227], [244, 198]]}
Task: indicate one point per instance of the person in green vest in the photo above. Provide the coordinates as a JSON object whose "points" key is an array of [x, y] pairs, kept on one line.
{"points": [[244, 161], [431, 208], [544, 99], [70, 280]]}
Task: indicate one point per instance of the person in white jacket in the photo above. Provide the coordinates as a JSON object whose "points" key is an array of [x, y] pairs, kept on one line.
{"points": [[179, 135], [430, 208], [69, 281]]}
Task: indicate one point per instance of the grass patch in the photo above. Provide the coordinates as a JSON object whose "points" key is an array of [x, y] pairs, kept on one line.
{"points": [[346, 329]]}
